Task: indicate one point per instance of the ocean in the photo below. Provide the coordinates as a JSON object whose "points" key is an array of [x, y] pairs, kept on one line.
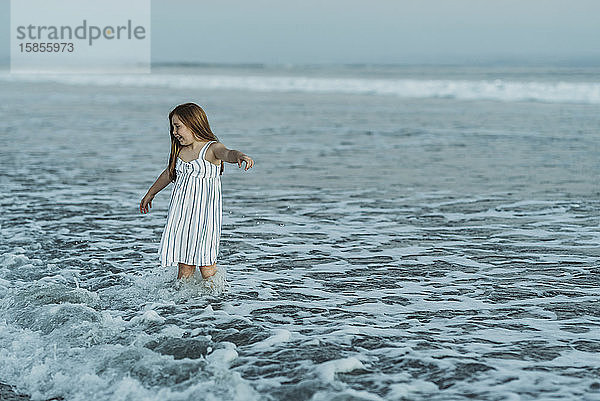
{"points": [[406, 233]]}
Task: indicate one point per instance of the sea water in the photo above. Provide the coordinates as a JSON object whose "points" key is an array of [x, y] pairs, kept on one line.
{"points": [[418, 233]]}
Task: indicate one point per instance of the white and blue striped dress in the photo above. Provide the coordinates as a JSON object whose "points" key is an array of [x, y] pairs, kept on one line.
{"points": [[193, 227]]}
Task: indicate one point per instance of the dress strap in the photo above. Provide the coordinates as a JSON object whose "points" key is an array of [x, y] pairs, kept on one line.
{"points": [[204, 148]]}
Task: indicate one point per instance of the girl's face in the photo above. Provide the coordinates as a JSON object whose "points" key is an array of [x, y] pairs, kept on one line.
{"points": [[181, 132]]}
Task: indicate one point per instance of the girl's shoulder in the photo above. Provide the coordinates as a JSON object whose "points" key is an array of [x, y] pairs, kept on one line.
{"points": [[211, 153]]}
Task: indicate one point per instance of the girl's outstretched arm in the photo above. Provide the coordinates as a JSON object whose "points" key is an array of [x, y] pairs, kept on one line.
{"points": [[231, 155], [161, 182]]}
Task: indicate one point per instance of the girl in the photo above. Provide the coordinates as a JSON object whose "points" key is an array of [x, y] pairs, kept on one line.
{"points": [[192, 233]]}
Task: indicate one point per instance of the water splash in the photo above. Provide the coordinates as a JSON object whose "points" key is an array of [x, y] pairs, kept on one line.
{"points": [[214, 285]]}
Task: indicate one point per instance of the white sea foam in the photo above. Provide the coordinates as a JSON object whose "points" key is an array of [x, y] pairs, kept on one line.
{"points": [[453, 257], [464, 89], [327, 370], [279, 336]]}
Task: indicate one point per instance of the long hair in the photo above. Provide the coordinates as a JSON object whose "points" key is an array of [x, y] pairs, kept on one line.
{"points": [[194, 118]]}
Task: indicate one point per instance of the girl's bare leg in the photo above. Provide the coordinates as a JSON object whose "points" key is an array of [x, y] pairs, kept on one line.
{"points": [[185, 270], [208, 271], [188, 270]]}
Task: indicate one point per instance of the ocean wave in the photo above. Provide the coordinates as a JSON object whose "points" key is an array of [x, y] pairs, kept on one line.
{"points": [[500, 90]]}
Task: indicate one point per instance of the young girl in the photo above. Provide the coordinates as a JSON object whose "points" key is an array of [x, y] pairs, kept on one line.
{"points": [[193, 230]]}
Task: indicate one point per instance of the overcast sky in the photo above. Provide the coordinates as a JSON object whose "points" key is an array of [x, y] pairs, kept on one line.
{"points": [[369, 31]]}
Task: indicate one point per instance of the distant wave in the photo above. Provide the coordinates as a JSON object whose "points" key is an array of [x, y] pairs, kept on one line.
{"points": [[509, 91]]}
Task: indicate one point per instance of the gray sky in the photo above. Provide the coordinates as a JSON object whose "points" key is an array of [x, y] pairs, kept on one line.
{"points": [[369, 31]]}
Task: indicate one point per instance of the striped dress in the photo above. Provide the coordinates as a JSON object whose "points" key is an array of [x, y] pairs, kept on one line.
{"points": [[193, 229]]}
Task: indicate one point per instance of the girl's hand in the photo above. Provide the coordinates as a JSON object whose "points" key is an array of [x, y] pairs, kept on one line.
{"points": [[146, 201], [243, 158]]}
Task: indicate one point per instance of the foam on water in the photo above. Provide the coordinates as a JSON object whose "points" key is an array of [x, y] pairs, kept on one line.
{"points": [[454, 317], [498, 89], [62, 342], [379, 249]]}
